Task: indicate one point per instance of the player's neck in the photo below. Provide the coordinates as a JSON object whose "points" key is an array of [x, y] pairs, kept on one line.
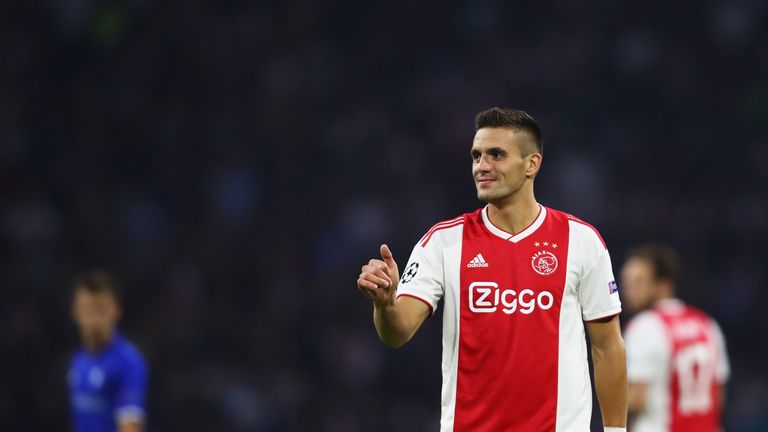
{"points": [[515, 214], [95, 344], [665, 299]]}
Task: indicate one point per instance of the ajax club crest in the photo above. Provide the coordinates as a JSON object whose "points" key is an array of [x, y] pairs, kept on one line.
{"points": [[544, 262]]}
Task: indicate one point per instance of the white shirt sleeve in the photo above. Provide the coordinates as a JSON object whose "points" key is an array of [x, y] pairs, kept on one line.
{"points": [[597, 290], [423, 276], [723, 371], [647, 350]]}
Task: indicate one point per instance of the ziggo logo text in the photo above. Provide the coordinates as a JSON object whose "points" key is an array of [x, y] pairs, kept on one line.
{"points": [[485, 297]]}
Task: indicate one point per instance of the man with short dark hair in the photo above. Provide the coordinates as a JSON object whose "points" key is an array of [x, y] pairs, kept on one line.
{"points": [[518, 282], [107, 376], [676, 357]]}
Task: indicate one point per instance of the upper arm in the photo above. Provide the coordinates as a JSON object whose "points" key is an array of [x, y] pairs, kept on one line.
{"points": [[130, 397], [415, 310], [723, 367], [605, 332], [423, 276], [597, 291]]}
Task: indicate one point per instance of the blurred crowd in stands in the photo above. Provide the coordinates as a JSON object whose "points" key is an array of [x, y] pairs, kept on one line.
{"points": [[235, 163]]}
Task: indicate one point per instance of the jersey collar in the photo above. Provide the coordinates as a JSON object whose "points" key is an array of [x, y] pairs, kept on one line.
{"points": [[514, 238]]}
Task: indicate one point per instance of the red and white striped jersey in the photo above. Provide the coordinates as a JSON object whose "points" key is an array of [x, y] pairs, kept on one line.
{"points": [[514, 352], [679, 352]]}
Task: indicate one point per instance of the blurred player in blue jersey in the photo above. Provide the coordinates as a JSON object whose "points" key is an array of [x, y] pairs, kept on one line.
{"points": [[107, 376]]}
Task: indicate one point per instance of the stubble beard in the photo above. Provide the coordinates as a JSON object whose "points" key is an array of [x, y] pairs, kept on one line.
{"points": [[489, 196], [496, 195]]}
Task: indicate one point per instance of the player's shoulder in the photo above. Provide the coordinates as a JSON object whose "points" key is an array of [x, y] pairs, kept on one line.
{"points": [[676, 307], [446, 227], [697, 312], [644, 323], [580, 229], [128, 352], [703, 317]]}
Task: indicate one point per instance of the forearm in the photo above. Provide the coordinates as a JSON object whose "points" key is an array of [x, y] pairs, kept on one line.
{"points": [[611, 382], [637, 392], [394, 326]]}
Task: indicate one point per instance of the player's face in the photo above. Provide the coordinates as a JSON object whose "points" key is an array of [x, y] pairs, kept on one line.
{"points": [[638, 285], [498, 167], [95, 314]]}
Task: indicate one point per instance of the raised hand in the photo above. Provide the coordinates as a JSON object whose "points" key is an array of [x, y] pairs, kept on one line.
{"points": [[379, 278]]}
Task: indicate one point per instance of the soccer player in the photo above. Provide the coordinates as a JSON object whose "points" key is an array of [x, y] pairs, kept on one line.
{"points": [[518, 282], [107, 375], [676, 358]]}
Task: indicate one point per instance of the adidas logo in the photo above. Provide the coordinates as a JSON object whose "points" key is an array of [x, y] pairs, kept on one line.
{"points": [[478, 261]]}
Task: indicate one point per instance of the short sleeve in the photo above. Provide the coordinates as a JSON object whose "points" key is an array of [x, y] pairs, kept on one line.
{"points": [[598, 292], [646, 351], [130, 394], [422, 277], [723, 368]]}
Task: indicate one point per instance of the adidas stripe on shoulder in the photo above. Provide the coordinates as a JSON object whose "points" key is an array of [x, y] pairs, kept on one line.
{"points": [[573, 218], [440, 226]]}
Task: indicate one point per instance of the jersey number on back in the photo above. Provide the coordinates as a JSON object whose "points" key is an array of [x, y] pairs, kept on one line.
{"points": [[695, 370]]}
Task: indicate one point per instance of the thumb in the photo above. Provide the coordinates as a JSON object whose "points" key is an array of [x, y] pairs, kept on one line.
{"points": [[386, 255]]}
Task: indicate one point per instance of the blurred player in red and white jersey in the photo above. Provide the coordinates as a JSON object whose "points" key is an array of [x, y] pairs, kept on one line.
{"points": [[677, 364], [519, 283]]}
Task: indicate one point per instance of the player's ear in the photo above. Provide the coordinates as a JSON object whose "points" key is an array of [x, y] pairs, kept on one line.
{"points": [[118, 311], [533, 162], [666, 287], [74, 306]]}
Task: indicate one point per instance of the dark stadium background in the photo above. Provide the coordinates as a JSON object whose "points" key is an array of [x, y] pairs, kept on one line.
{"points": [[235, 163]]}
